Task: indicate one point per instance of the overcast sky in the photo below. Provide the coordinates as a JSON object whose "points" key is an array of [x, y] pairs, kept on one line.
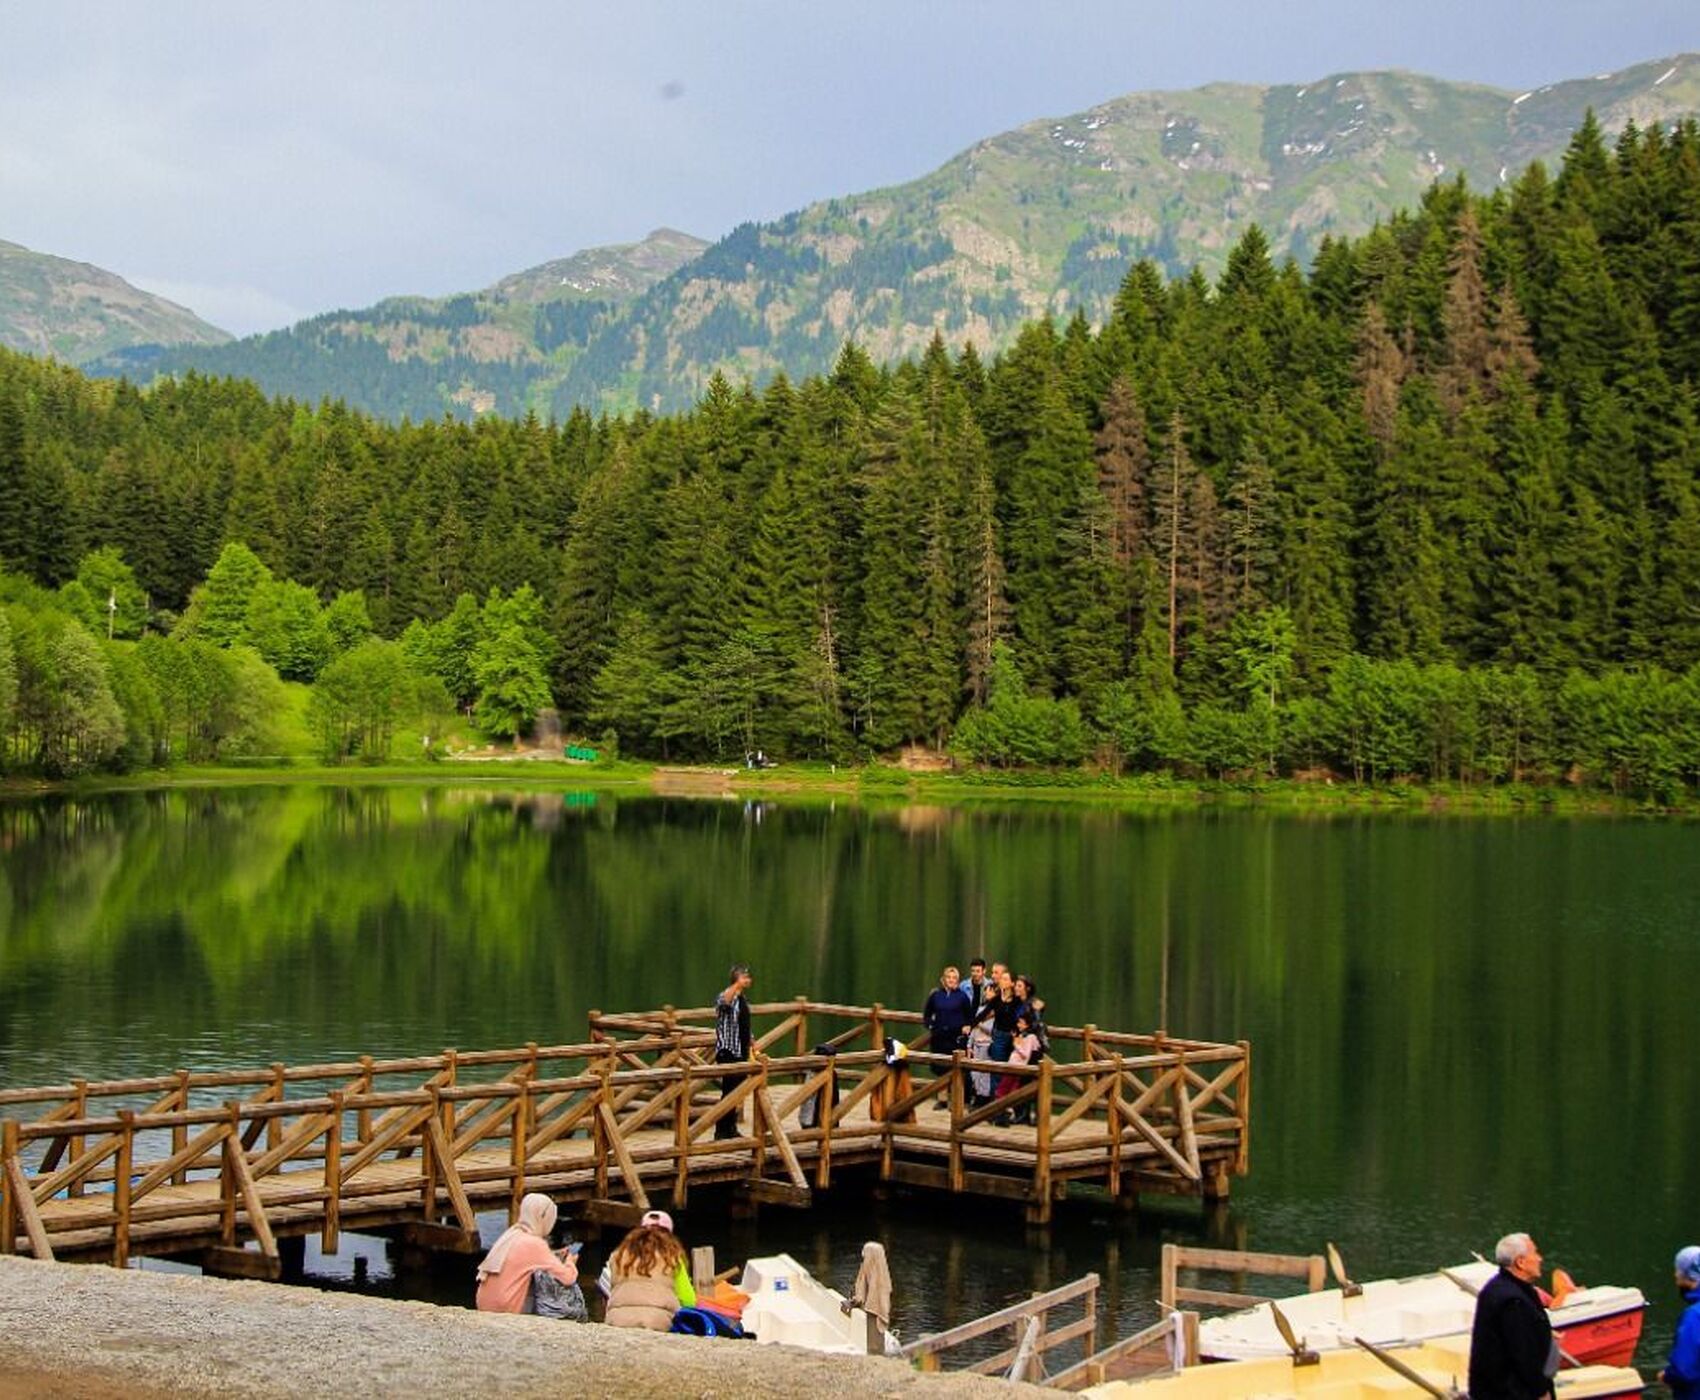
{"points": [[261, 163]]}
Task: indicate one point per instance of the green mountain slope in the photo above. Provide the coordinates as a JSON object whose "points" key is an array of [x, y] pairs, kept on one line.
{"points": [[76, 311], [1047, 217], [502, 350]]}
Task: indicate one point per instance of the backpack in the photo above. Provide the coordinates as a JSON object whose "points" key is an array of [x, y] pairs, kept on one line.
{"points": [[704, 1322]]}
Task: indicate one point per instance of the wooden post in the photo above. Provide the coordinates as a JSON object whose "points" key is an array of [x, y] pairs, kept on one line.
{"points": [[451, 1075], [428, 1161], [1166, 1277], [1189, 1339], [1242, 1157], [1086, 1033], [802, 1025], [957, 1178], [1115, 1126], [702, 1268], [331, 1231], [227, 1183], [9, 1208], [274, 1126], [758, 1154], [78, 1142], [363, 1116], [121, 1188], [828, 1094], [1040, 1212], [599, 1129], [682, 1138], [1316, 1277], [876, 1026], [180, 1131], [521, 1126]]}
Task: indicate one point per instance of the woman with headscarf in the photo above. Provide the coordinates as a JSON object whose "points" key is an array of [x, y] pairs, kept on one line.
{"points": [[504, 1277], [648, 1276], [872, 1289]]}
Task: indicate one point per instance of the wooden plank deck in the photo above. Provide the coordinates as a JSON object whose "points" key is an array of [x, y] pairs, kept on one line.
{"points": [[160, 1165]]}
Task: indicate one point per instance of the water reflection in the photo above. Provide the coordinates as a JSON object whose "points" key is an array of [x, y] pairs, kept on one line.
{"points": [[1460, 1026]]}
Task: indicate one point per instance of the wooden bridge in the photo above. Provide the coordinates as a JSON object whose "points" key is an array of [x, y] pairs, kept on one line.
{"points": [[220, 1166]]}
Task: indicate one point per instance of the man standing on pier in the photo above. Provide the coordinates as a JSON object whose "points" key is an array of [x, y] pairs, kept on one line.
{"points": [[1512, 1353], [732, 1039]]}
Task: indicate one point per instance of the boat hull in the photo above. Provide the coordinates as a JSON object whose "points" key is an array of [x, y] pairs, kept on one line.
{"points": [[1603, 1341]]}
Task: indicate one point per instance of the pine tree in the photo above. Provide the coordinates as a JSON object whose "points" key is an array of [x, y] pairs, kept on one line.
{"points": [[985, 605], [1464, 360]]}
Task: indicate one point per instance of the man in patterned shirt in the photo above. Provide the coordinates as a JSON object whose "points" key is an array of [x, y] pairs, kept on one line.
{"points": [[732, 1039]]}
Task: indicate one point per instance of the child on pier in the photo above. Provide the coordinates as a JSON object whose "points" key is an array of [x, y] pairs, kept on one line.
{"points": [[1023, 1050]]}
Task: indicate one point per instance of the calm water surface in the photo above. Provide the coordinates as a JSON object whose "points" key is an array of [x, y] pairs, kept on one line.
{"points": [[1460, 1026]]}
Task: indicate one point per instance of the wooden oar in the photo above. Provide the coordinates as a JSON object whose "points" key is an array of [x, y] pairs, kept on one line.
{"points": [[1348, 1289], [1416, 1378], [1302, 1355], [1475, 1292]]}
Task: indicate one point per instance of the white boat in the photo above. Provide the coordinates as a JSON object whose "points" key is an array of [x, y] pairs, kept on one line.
{"points": [[1593, 1324], [788, 1304]]}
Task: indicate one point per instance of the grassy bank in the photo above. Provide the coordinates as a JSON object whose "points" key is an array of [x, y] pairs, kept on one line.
{"points": [[883, 782]]}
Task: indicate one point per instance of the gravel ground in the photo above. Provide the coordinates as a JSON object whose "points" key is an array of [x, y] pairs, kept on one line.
{"points": [[89, 1331]]}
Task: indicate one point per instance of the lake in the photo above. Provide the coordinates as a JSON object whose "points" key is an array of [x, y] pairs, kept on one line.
{"points": [[1460, 1026]]}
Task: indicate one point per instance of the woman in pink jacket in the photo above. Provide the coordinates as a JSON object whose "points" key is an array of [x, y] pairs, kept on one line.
{"points": [[504, 1278]]}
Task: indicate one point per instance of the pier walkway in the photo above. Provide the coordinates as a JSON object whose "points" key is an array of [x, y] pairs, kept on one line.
{"points": [[220, 1166]]}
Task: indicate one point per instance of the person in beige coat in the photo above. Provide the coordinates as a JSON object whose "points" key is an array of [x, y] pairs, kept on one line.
{"points": [[644, 1271]]}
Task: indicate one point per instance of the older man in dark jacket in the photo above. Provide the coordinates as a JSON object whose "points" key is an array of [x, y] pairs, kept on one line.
{"points": [[1512, 1353]]}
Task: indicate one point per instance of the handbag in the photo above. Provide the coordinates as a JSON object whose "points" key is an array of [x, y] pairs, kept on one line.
{"points": [[549, 1297]]}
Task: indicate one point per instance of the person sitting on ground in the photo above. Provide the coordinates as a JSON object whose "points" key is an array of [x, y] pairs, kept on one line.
{"points": [[1023, 1050], [1682, 1371], [504, 1276], [649, 1276]]}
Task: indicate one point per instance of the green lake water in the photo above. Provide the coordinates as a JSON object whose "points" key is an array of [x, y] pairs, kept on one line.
{"points": [[1460, 1026]]}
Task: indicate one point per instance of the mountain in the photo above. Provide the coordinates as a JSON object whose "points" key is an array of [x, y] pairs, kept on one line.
{"points": [[1047, 217], [504, 349], [78, 312]]}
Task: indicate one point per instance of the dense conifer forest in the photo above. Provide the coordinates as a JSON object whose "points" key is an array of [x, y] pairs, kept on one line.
{"points": [[1430, 509]]}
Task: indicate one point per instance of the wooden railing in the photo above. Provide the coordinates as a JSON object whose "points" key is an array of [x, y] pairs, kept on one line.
{"points": [[1033, 1333], [213, 1161], [1311, 1268], [1160, 1349]]}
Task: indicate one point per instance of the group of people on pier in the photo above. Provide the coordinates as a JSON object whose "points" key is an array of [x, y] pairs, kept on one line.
{"points": [[995, 1016]]}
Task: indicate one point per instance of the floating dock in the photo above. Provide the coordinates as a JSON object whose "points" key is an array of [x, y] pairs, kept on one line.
{"points": [[226, 1167]]}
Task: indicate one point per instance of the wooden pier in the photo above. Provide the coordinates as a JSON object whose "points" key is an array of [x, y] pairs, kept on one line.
{"points": [[220, 1167]]}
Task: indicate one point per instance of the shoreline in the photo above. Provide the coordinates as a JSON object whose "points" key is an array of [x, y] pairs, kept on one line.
{"points": [[884, 783], [88, 1330]]}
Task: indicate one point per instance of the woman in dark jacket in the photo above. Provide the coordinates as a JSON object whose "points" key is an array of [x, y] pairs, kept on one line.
{"points": [[947, 1013]]}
